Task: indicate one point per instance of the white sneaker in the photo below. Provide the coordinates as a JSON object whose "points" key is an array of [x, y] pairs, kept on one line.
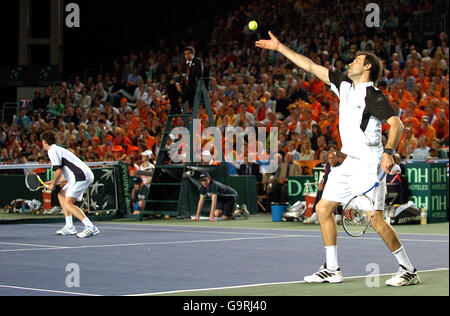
{"points": [[312, 220], [325, 276], [89, 232], [403, 278], [245, 211], [65, 231]]}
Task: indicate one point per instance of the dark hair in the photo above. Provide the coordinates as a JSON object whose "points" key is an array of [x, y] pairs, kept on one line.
{"points": [[376, 71], [49, 137], [190, 48]]}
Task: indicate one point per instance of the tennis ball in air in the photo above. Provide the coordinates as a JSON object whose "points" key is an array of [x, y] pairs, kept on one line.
{"points": [[253, 25]]}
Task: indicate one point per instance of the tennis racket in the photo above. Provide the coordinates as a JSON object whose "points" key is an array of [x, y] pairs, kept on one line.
{"points": [[34, 182], [358, 214]]}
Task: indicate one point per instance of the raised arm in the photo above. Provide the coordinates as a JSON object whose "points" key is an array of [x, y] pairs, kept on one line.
{"points": [[301, 61]]}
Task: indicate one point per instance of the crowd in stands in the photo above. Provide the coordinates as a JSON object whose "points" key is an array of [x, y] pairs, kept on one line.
{"points": [[120, 115]]}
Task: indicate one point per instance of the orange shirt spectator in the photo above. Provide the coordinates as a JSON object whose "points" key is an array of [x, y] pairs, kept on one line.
{"points": [[412, 121], [133, 151], [95, 143], [305, 85], [272, 121], [283, 142], [419, 114], [437, 80], [314, 106], [119, 153], [423, 80], [323, 122], [427, 130], [149, 141], [261, 116], [332, 130], [328, 96], [441, 125], [317, 87], [410, 115], [424, 101], [407, 139], [134, 123], [403, 96], [132, 170]]}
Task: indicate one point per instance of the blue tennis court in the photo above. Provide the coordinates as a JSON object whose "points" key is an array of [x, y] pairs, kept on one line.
{"points": [[129, 259]]}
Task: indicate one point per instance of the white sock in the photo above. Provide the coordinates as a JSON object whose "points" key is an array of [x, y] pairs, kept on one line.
{"points": [[69, 221], [403, 259], [87, 223], [332, 260]]}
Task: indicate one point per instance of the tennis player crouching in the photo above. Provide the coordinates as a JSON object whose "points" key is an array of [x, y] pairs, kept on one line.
{"points": [[79, 176], [362, 110]]}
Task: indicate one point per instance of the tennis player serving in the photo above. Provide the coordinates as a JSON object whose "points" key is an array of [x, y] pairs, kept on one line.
{"points": [[79, 177], [362, 111]]}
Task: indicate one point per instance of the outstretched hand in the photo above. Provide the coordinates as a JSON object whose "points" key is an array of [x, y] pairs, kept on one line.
{"points": [[272, 44]]}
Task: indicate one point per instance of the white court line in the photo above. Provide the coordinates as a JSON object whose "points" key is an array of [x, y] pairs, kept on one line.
{"points": [[184, 230], [265, 284], [193, 290], [241, 233], [268, 229], [201, 241], [45, 291], [154, 243], [29, 245]]}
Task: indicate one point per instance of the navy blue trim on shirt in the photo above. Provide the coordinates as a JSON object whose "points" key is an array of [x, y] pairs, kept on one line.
{"points": [[79, 174], [378, 106]]}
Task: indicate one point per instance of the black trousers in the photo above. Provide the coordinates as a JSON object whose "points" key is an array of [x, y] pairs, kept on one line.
{"points": [[279, 194]]}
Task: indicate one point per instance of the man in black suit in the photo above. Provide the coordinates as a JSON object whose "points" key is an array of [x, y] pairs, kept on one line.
{"points": [[186, 86], [250, 169], [194, 71]]}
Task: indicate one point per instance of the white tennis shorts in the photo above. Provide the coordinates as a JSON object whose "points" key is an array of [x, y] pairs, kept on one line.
{"points": [[76, 190], [353, 178]]}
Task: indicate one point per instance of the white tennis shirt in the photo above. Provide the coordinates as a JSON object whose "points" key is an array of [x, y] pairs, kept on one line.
{"points": [[362, 111], [72, 167]]}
